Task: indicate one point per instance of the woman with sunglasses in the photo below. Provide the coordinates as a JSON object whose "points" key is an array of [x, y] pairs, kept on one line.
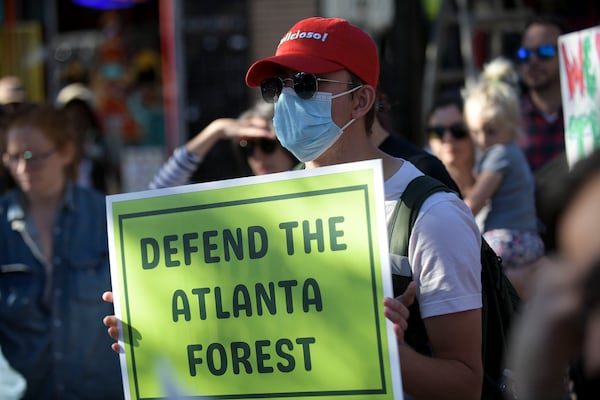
{"points": [[449, 139], [53, 265], [503, 181], [251, 133]]}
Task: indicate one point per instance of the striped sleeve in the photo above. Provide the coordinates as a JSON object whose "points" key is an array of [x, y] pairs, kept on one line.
{"points": [[177, 170]]}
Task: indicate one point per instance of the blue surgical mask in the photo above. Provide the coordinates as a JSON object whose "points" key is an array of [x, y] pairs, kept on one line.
{"points": [[305, 127]]}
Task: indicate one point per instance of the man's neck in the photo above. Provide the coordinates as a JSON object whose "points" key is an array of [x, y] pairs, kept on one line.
{"points": [[378, 133], [547, 101], [355, 145], [390, 164]]}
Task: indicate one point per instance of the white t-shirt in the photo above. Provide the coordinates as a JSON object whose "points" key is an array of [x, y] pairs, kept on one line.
{"points": [[444, 249]]}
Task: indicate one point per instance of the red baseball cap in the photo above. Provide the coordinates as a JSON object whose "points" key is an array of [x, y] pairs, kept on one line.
{"points": [[318, 46]]}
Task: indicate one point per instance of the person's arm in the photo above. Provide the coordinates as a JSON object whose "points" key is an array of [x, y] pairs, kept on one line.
{"points": [[185, 160], [455, 370], [226, 128], [445, 256], [484, 188], [492, 169], [177, 170]]}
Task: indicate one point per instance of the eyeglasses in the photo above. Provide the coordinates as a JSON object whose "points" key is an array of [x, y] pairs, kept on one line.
{"points": [[34, 160], [458, 131], [544, 52], [305, 85], [267, 146]]}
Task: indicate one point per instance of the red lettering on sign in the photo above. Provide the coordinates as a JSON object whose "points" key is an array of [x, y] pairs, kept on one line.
{"points": [[574, 69]]}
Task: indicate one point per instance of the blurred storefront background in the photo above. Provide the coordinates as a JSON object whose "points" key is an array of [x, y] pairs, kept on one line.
{"points": [[161, 70]]}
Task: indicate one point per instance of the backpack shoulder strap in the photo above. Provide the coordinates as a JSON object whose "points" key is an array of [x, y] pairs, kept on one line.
{"points": [[407, 210], [399, 229]]}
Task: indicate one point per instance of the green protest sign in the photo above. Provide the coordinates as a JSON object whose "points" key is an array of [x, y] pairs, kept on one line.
{"points": [[262, 287]]}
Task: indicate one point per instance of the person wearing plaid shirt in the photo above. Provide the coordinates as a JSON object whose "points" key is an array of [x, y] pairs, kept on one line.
{"points": [[543, 138], [541, 106]]}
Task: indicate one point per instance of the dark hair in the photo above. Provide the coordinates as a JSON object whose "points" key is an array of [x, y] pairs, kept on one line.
{"points": [[445, 99], [550, 20]]}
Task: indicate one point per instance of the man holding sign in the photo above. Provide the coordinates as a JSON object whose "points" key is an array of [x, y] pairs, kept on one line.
{"points": [[322, 80]]}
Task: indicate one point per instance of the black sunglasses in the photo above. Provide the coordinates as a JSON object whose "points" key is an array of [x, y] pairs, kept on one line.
{"points": [[267, 146], [544, 52], [305, 85], [458, 131]]}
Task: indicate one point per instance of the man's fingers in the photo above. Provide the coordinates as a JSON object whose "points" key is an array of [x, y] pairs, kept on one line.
{"points": [[110, 321], [107, 297], [116, 347], [408, 297], [113, 332], [253, 132], [395, 311]]}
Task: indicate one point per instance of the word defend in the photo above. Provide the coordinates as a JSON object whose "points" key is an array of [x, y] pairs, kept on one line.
{"points": [[213, 246]]}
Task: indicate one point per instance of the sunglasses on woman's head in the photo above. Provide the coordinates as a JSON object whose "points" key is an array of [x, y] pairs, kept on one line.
{"points": [[305, 85], [267, 146], [458, 131], [544, 52]]}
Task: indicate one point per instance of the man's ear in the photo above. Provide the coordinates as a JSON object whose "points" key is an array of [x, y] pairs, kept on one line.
{"points": [[364, 98]]}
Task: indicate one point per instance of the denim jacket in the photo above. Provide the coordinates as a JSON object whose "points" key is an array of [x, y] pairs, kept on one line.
{"points": [[51, 310]]}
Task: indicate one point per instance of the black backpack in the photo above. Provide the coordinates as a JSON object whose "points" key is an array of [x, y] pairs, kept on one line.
{"points": [[500, 300]]}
